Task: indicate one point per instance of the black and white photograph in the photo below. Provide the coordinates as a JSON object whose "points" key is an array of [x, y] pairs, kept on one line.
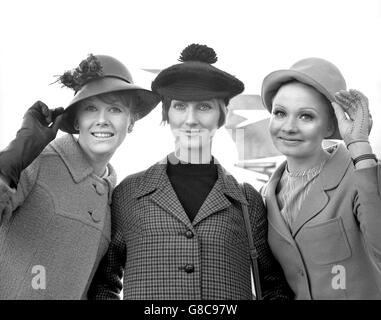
{"points": [[207, 152]]}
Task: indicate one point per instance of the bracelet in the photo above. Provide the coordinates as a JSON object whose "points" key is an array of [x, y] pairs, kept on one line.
{"points": [[356, 140], [367, 156]]}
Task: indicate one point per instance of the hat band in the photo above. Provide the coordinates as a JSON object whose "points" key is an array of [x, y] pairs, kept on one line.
{"points": [[193, 89]]}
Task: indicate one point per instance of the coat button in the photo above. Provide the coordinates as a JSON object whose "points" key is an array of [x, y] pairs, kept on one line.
{"points": [[189, 268], [99, 188], [301, 272], [94, 216], [189, 234]]}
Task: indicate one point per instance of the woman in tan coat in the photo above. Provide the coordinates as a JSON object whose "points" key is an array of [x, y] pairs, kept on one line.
{"points": [[323, 204]]}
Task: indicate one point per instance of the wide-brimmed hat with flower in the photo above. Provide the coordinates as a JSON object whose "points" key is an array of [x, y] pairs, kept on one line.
{"points": [[318, 73], [100, 74], [195, 78]]}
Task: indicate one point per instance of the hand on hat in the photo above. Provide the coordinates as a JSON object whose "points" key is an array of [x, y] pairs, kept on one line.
{"points": [[356, 127], [42, 121], [39, 127]]}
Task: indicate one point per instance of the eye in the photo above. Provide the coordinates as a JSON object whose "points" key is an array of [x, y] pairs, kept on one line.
{"points": [[306, 116], [90, 108], [179, 106], [279, 113], [116, 109], [204, 107]]}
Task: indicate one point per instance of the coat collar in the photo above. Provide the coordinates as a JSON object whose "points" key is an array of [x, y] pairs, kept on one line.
{"points": [[333, 173], [329, 178], [72, 155], [156, 176], [156, 182]]}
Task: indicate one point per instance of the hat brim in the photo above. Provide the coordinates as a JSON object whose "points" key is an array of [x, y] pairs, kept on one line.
{"points": [[276, 79], [145, 100]]}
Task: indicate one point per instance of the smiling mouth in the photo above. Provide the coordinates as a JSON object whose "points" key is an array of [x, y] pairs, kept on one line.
{"points": [[192, 131], [102, 135], [289, 140]]}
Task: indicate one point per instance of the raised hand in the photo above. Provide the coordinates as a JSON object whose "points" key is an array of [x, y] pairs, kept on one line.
{"points": [[41, 122], [353, 117], [39, 127]]}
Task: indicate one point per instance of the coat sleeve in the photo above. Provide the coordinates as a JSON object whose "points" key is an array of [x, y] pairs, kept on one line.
{"points": [[273, 282], [367, 206], [11, 199], [107, 282]]}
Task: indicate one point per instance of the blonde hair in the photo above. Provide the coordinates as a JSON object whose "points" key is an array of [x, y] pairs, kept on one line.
{"points": [[128, 100]]}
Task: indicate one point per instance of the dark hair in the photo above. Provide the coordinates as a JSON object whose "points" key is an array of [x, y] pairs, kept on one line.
{"points": [[166, 104]]}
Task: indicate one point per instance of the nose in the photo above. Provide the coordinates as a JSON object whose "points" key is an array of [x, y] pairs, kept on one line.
{"points": [[290, 125], [102, 119], [191, 117]]}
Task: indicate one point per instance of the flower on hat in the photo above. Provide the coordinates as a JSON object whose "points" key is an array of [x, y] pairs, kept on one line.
{"points": [[89, 69]]}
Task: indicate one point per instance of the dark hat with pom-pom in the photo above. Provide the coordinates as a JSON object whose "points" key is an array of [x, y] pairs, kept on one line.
{"points": [[195, 78]]}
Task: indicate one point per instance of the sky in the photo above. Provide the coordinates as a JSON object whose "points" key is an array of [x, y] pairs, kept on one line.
{"points": [[40, 39]]}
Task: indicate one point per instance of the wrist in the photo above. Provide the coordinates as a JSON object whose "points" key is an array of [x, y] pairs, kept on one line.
{"points": [[365, 161], [365, 164], [359, 148]]}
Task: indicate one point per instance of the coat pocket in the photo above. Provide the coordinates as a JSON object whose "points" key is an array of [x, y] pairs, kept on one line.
{"points": [[326, 242]]}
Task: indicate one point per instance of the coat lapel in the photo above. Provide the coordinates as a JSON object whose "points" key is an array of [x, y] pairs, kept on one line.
{"points": [[330, 176], [166, 198], [157, 186], [315, 201], [273, 213], [74, 158], [217, 199]]}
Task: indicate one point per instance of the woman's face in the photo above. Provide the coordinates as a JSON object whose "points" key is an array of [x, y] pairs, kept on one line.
{"points": [[299, 120], [194, 123], [102, 126]]}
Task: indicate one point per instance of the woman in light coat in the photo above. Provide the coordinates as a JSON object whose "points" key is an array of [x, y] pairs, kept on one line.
{"points": [[178, 231], [323, 204], [54, 206]]}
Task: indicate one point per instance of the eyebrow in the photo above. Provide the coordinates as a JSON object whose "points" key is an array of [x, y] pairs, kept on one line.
{"points": [[301, 109]]}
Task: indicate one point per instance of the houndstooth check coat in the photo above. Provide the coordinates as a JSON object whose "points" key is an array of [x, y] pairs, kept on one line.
{"points": [[163, 255]]}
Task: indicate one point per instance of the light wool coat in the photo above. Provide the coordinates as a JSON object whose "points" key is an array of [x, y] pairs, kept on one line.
{"points": [[58, 220], [333, 250]]}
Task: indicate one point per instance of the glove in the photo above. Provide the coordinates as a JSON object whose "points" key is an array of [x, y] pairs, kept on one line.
{"points": [[359, 124], [34, 135]]}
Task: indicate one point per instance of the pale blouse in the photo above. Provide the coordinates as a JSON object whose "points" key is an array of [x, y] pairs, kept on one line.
{"points": [[293, 189]]}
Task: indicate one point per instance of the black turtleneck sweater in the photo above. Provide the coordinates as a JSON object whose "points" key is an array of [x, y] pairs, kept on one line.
{"points": [[192, 184]]}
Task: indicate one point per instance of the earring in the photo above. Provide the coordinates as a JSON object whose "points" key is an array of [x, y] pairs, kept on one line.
{"points": [[130, 127], [76, 126]]}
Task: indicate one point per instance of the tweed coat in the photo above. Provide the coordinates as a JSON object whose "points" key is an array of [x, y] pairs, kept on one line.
{"points": [[166, 256], [58, 218], [333, 250]]}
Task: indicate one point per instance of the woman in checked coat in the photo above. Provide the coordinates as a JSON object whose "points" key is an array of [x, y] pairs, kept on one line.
{"points": [[178, 230]]}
